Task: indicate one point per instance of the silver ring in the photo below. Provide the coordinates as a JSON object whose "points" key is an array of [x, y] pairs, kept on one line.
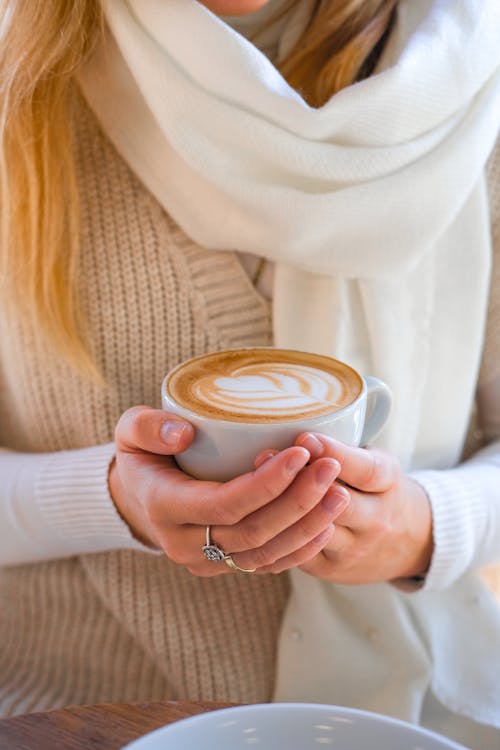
{"points": [[229, 561], [211, 551]]}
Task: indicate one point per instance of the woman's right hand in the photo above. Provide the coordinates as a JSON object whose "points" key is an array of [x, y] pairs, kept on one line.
{"points": [[278, 516]]}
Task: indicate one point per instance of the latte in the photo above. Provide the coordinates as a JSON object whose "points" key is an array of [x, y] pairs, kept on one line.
{"points": [[263, 385]]}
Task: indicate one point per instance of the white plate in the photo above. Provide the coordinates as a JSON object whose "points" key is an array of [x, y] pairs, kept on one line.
{"points": [[291, 726]]}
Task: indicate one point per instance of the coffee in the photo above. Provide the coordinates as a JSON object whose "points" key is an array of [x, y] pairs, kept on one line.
{"points": [[243, 401], [263, 385]]}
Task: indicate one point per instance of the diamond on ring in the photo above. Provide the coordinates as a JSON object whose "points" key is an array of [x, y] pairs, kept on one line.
{"points": [[211, 551]]}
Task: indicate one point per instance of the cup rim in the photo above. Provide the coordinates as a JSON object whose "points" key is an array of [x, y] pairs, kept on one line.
{"points": [[318, 419]]}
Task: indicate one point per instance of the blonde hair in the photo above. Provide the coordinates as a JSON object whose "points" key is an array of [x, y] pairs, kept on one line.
{"points": [[43, 42], [340, 46]]}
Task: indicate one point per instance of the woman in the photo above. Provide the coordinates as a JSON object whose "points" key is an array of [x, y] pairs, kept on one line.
{"points": [[137, 158]]}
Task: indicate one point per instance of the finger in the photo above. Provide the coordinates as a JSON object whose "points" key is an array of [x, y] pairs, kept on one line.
{"points": [[339, 544], [301, 497], [301, 556], [366, 469], [299, 534], [307, 538], [330, 561], [316, 447], [263, 457], [174, 497], [184, 544], [142, 428], [365, 512], [209, 569]]}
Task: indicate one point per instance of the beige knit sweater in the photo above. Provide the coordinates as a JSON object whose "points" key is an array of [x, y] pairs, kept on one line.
{"points": [[127, 625]]}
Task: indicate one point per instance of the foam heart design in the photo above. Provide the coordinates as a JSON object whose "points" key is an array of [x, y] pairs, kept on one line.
{"points": [[280, 388]]}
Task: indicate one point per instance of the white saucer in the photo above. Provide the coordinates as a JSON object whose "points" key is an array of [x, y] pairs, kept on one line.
{"points": [[291, 726]]}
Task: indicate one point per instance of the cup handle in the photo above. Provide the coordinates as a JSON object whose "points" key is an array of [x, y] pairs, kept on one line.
{"points": [[378, 407]]}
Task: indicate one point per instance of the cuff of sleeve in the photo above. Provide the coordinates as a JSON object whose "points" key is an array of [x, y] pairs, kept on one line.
{"points": [[458, 515], [72, 493]]}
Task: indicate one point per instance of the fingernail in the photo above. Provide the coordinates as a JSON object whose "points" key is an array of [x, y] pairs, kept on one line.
{"points": [[263, 457], [171, 432], [327, 472], [336, 500], [296, 462], [313, 445]]}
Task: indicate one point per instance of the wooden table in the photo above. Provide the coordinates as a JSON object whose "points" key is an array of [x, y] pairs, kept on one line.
{"points": [[102, 727]]}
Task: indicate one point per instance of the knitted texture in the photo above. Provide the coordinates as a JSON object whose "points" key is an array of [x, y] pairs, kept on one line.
{"points": [[490, 367], [125, 626], [490, 363]]}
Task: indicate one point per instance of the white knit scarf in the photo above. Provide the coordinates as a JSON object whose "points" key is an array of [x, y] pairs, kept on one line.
{"points": [[373, 208]]}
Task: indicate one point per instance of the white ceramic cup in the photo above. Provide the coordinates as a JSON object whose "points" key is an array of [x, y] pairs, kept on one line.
{"points": [[223, 449]]}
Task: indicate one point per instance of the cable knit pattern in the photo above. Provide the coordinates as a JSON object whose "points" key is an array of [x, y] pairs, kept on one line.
{"points": [[126, 625]]}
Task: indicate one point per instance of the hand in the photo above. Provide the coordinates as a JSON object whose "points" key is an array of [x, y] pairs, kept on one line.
{"points": [[385, 532], [278, 516]]}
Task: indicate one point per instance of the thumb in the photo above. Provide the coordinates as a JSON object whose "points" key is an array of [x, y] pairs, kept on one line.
{"points": [[142, 428]]}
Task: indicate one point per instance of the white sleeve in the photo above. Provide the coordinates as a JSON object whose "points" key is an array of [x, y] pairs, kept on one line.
{"points": [[58, 505], [465, 503], [465, 506]]}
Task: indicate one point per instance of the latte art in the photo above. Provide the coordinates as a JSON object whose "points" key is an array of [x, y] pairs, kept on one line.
{"points": [[263, 385], [270, 388]]}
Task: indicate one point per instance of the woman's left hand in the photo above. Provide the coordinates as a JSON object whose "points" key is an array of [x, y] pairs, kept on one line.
{"points": [[386, 530]]}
